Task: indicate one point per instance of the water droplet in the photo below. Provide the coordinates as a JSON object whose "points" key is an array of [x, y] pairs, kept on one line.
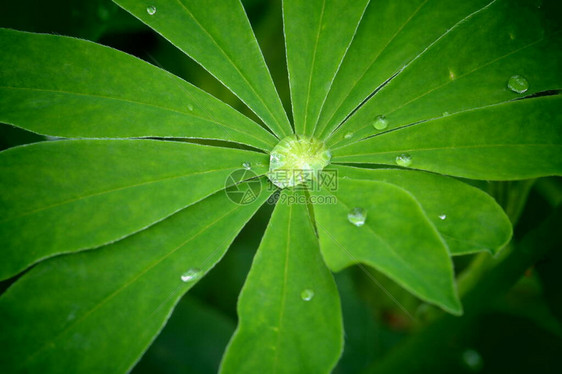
{"points": [[511, 36], [151, 10], [357, 216], [404, 160], [247, 165], [445, 114], [380, 123], [190, 107], [442, 217], [349, 135], [307, 294], [472, 359], [190, 275], [518, 84], [297, 159], [452, 75]]}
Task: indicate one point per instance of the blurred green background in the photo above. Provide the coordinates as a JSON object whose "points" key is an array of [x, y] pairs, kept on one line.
{"points": [[513, 303]]}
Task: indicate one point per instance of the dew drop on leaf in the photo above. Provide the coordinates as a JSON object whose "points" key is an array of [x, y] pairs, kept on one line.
{"points": [[247, 165], [472, 359], [307, 294], [191, 274], [380, 123], [518, 84], [442, 217], [357, 216], [151, 10], [349, 135], [190, 107], [404, 160]]}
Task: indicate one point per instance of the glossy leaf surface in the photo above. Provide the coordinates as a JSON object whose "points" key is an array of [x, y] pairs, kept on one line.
{"points": [[468, 219], [396, 238], [62, 86], [218, 35], [515, 140], [317, 35], [470, 67], [70, 195], [290, 317], [132, 287]]}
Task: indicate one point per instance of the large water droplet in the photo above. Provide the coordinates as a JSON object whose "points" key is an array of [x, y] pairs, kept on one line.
{"points": [[247, 165], [151, 10], [307, 294], [191, 274], [349, 135], [380, 123], [472, 359], [404, 160], [518, 84], [357, 216], [297, 159]]}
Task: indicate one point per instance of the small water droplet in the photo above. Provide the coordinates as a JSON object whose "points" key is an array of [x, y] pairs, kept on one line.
{"points": [[247, 165], [518, 84], [349, 135], [511, 36], [190, 107], [472, 359], [190, 275], [451, 75], [357, 216], [442, 217], [445, 114], [380, 123], [307, 294], [404, 160], [151, 10]]}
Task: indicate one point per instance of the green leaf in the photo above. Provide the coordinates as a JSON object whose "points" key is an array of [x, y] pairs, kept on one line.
{"points": [[515, 140], [218, 35], [503, 40], [467, 218], [396, 238], [317, 35], [391, 35], [71, 195], [97, 311], [279, 330], [62, 86]]}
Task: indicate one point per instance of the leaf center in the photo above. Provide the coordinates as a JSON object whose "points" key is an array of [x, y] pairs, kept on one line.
{"points": [[297, 159]]}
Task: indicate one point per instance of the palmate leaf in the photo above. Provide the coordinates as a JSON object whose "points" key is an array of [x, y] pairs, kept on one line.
{"points": [[290, 317], [396, 238], [515, 140], [468, 219], [218, 35], [391, 34], [411, 61], [131, 286], [61, 86], [71, 195], [317, 35], [469, 67]]}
